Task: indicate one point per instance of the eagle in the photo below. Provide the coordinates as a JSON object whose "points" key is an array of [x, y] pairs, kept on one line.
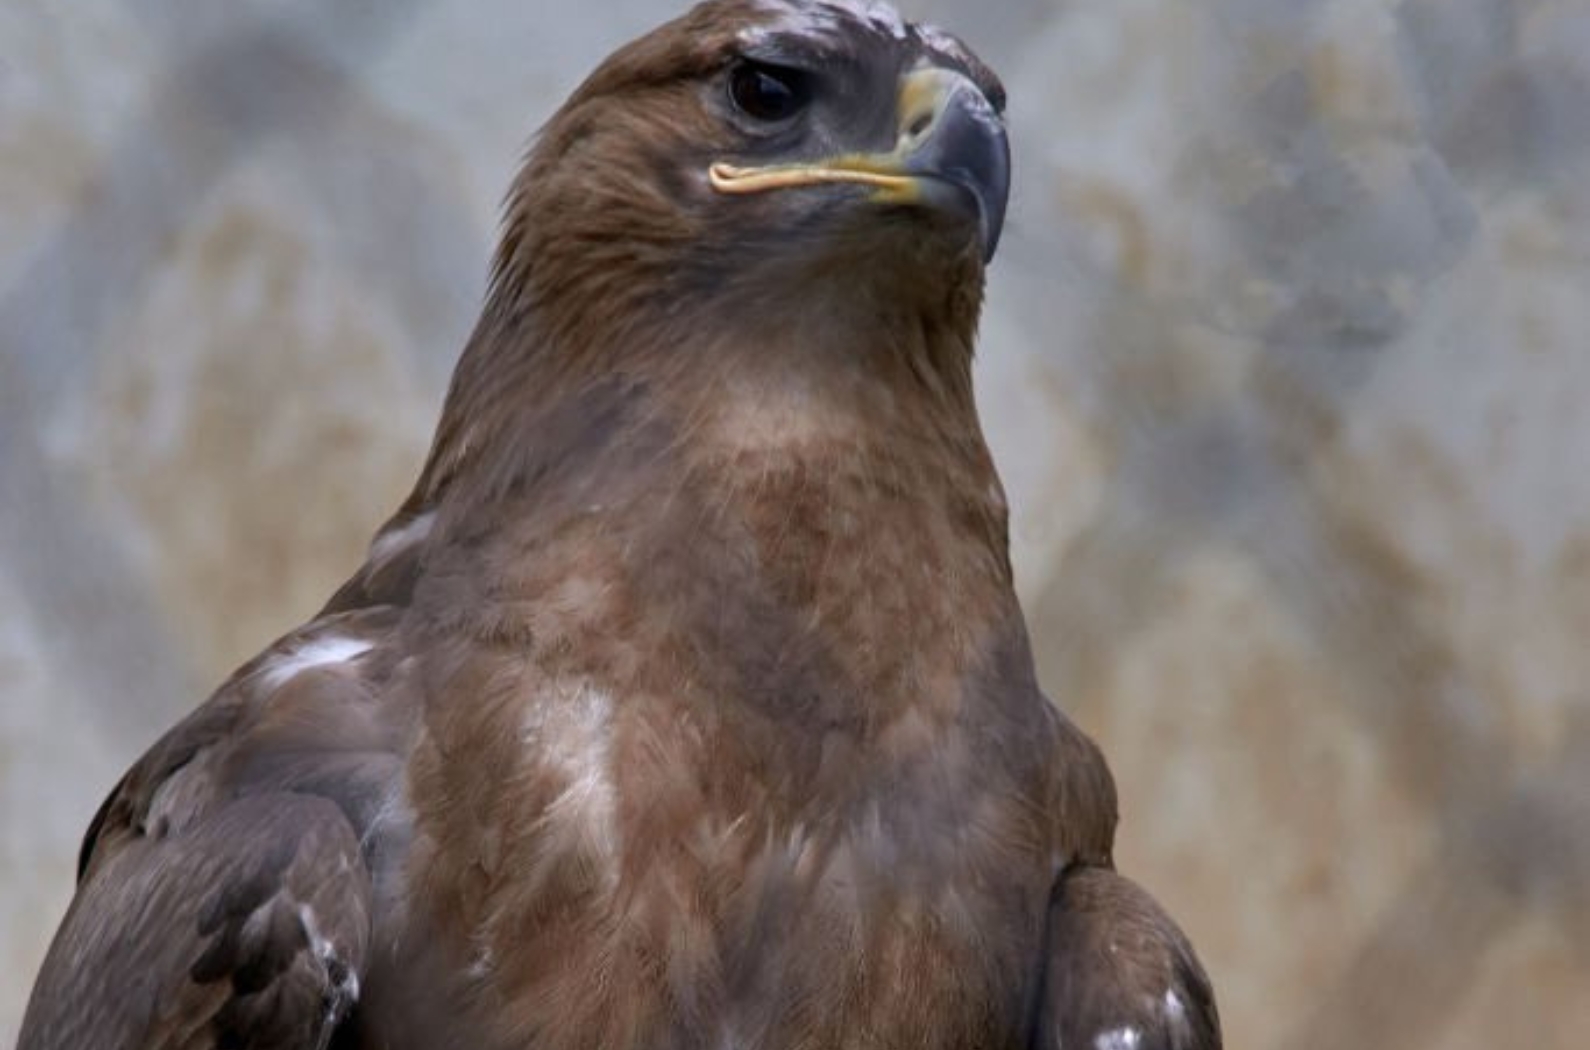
{"points": [[686, 702]]}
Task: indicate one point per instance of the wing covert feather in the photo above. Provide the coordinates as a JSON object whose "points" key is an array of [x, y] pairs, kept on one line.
{"points": [[248, 929]]}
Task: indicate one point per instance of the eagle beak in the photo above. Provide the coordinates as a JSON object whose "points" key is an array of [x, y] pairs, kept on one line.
{"points": [[951, 155]]}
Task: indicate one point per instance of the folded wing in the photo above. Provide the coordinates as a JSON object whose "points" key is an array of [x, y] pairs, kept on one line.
{"points": [[248, 929], [1120, 974]]}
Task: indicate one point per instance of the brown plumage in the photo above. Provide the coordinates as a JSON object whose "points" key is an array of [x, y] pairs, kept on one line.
{"points": [[686, 702]]}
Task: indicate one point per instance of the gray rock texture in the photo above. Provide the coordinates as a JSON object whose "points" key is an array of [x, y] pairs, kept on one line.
{"points": [[1287, 364]]}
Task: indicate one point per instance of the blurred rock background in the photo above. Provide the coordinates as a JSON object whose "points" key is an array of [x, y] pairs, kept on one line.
{"points": [[1286, 363]]}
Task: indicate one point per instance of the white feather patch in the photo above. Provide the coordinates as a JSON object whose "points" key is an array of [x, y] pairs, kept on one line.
{"points": [[828, 18], [1118, 1039], [572, 735], [390, 542], [317, 652], [326, 952]]}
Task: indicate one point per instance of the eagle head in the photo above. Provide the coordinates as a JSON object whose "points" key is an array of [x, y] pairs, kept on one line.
{"points": [[755, 147]]}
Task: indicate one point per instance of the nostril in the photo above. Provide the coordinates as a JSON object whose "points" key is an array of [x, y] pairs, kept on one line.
{"points": [[920, 125]]}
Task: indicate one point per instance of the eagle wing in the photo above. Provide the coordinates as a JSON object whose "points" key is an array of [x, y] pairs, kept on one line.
{"points": [[225, 887], [1119, 974], [247, 929]]}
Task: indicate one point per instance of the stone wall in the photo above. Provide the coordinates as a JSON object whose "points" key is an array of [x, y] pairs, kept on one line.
{"points": [[1286, 365]]}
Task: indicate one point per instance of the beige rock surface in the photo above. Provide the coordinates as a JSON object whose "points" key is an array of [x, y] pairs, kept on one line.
{"points": [[1286, 365]]}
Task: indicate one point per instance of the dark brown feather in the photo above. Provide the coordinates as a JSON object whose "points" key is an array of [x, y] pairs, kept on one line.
{"points": [[246, 929], [1121, 975]]}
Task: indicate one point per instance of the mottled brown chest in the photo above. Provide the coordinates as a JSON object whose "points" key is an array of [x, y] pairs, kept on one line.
{"points": [[657, 880], [762, 786]]}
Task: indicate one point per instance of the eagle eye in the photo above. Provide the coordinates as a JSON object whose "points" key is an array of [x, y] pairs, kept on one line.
{"points": [[768, 93]]}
